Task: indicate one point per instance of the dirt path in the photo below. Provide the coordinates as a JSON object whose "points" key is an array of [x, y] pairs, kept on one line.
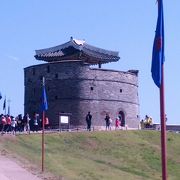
{"points": [[10, 170]]}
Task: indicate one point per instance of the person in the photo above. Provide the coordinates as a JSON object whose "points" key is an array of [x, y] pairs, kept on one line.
{"points": [[13, 125], [27, 123], [142, 124], [8, 123], [110, 123], [88, 121], [166, 117], [148, 122], [107, 119], [46, 123], [19, 123], [3, 121], [36, 125], [117, 123]]}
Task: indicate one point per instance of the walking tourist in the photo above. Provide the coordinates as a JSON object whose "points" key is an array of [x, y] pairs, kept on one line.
{"points": [[88, 121], [107, 120]]}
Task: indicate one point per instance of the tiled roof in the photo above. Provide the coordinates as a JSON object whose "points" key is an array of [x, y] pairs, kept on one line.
{"points": [[77, 49]]}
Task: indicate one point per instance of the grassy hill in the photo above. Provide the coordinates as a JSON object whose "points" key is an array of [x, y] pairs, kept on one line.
{"points": [[115, 155]]}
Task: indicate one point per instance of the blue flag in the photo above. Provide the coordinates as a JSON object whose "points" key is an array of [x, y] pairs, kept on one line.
{"points": [[44, 99], [158, 47]]}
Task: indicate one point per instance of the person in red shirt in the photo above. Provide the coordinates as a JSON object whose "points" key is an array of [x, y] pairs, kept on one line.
{"points": [[3, 121], [8, 123], [117, 123]]}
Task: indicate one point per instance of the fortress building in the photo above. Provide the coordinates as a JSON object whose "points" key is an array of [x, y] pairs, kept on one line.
{"points": [[73, 86]]}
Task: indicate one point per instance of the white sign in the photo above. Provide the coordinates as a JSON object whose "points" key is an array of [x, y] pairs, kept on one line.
{"points": [[64, 119]]}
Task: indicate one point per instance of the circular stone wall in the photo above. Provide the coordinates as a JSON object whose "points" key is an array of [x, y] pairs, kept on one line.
{"points": [[74, 87]]}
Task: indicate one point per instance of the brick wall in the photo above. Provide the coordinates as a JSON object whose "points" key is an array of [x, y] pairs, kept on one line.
{"points": [[74, 87]]}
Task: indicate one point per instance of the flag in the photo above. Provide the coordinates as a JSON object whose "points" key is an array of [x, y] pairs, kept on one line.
{"points": [[4, 104], [158, 47], [44, 98], [0, 95]]}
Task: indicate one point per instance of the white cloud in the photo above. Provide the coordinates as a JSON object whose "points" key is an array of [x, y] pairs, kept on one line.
{"points": [[13, 58]]}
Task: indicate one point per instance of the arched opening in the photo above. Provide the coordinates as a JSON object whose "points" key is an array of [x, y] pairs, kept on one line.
{"points": [[122, 117]]}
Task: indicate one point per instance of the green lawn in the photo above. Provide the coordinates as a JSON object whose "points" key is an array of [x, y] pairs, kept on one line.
{"points": [[116, 155]]}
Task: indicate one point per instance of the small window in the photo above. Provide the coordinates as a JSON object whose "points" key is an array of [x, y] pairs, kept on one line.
{"points": [[56, 76], [48, 69], [120, 90], [56, 97], [92, 88]]}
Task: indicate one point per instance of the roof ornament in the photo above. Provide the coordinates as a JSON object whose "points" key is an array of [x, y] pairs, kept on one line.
{"points": [[79, 42]]}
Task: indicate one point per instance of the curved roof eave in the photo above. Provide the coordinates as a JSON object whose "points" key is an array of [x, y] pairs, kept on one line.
{"points": [[65, 50], [77, 44]]}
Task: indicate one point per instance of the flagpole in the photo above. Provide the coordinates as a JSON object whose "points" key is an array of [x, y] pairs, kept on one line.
{"points": [[4, 105], [9, 101], [157, 70], [43, 115], [43, 141], [163, 128]]}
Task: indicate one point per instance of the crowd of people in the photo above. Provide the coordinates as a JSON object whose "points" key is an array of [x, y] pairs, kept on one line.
{"points": [[119, 122], [11, 124], [147, 122]]}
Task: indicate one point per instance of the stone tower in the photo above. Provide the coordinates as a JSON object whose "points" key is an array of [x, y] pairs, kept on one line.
{"points": [[73, 86]]}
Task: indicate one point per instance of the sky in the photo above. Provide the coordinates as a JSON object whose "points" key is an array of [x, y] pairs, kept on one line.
{"points": [[124, 26]]}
